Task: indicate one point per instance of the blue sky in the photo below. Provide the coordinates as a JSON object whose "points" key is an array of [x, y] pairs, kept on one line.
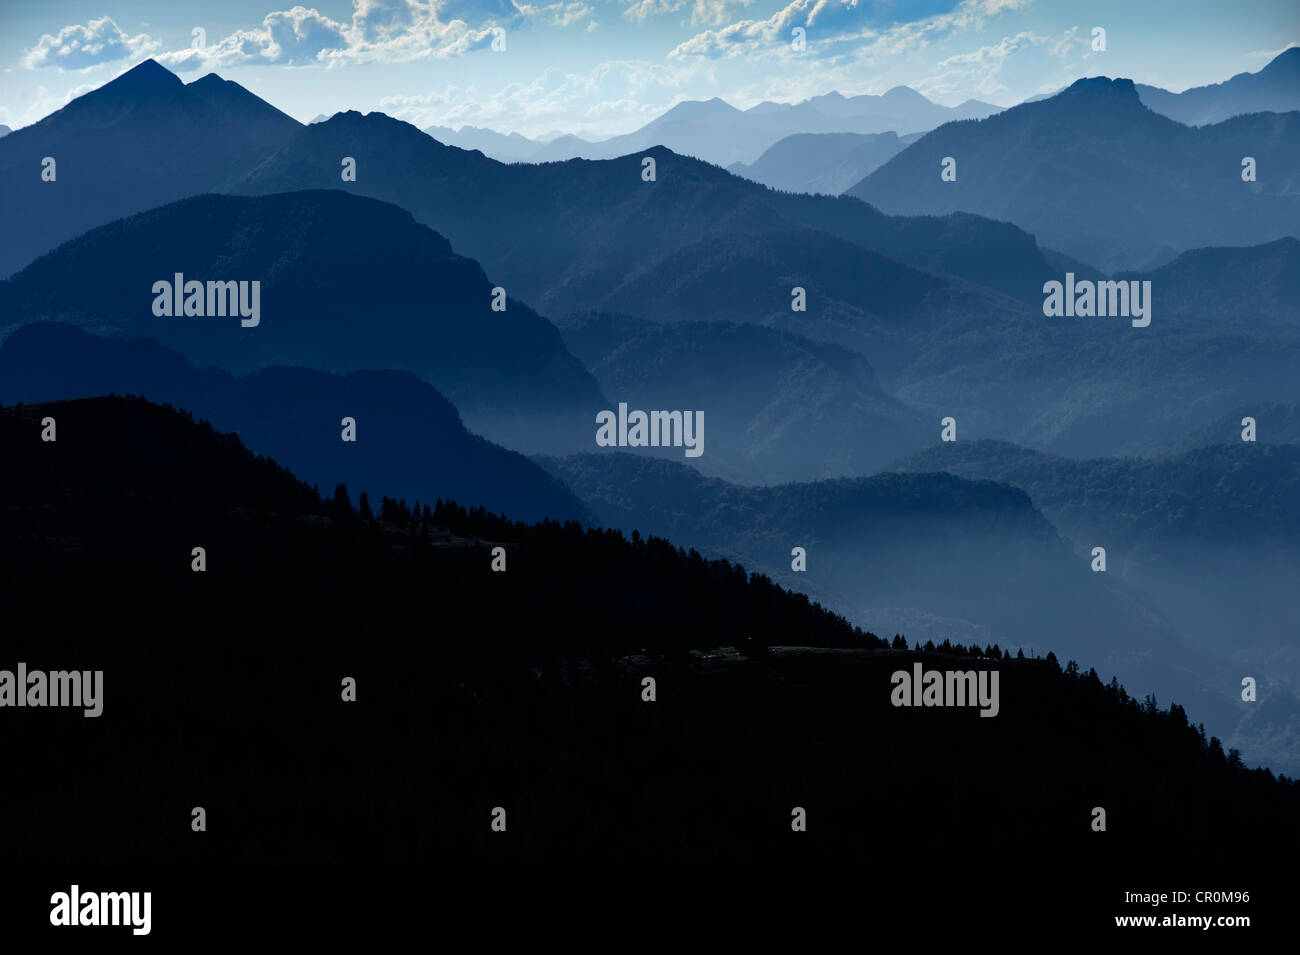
{"points": [[602, 67]]}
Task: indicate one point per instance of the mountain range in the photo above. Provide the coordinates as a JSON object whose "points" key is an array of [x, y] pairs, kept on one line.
{"points": [[717, 132], [699, 244], [822, 338], [1095, 173]]}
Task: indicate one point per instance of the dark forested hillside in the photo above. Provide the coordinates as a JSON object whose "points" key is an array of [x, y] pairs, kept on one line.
{"points": [[520, 689]]}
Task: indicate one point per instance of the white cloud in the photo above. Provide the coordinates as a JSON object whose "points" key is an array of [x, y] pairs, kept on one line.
{"points": [[380, 30], [42, 103], [714, 12], [642, 10], [80, 47], [559, 14], [976, 72], [832, 22]]}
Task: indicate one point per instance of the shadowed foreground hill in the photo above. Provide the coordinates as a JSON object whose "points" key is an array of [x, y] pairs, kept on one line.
{"points": [[520, 689]]}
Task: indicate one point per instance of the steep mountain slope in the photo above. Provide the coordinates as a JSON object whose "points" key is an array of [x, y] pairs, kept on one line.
{"points": [[409, 440], [939, 556], [1210, 538], [346, 284], [1103, 178]]}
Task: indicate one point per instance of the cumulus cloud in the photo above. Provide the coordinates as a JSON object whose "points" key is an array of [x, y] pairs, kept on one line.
{"points": [[379, 30], [831, 22], [977, 71], [714, 12], [558, 14], [79, 47], [642, 10]]}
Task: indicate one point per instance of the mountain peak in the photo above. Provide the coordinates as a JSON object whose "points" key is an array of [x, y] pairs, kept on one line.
{"points": [[904, 94], [698, 109], [208, 79], [149, 74], [1101, 86]]}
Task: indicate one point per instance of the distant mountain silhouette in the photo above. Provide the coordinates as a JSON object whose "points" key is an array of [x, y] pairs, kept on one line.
{"points": [[586, 228], [1274, 89], [822, 162], [1103, 178], [410, 440], [788, 408], [140, 140], [348, 284], [4, 130], [717, 132], [503, 147], [468, 698]]}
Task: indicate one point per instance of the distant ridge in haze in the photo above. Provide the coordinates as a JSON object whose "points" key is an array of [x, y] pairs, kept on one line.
{"points": [[1274, 89], [717, 132], [823, 162], [1103, 178]]}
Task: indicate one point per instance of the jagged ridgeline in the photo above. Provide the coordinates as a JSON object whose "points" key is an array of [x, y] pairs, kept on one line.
{"points": [[523, 688]]}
